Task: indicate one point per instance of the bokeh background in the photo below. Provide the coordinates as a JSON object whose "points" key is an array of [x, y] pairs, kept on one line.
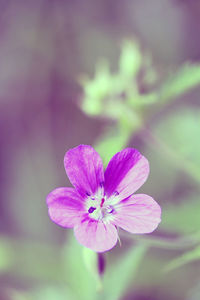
{"points": [[110, 74]]}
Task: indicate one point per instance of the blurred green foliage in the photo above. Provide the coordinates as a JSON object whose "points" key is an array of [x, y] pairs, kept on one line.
{"points": [[130, 59], [117, 97], [182, 218], [175, 146], [121, 274], [181, 81], [187, 257], [6, 255], [174, 136], [179, 131]]}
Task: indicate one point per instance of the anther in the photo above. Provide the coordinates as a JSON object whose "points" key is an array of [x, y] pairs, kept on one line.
{"points": [[91, 209], [110, 209], [102, 202]]}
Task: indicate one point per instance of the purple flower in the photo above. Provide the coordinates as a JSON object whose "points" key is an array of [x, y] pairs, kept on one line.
{"points": [[100, 202]]}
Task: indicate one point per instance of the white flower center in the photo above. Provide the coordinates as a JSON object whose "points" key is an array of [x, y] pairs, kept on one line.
{"points": [[99, 206]]}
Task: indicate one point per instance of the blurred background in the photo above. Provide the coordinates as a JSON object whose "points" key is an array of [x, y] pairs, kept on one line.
{"points": [[110, 74]]}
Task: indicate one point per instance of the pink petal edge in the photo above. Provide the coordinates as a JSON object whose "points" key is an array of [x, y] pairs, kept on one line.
{"points": [[65, 207], [126, 173], [84, 168], [139, 213], [96, 235]]}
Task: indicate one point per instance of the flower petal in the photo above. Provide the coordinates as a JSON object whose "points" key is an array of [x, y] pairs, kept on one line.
{"points": [[125, 173], [65, 206], [96, 235], [138, 214], [84, 168]]}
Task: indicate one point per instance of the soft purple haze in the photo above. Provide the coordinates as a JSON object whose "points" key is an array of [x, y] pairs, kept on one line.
{"points": [[45, 49]]}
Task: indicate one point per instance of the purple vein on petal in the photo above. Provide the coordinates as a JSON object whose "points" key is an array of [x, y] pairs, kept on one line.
{"points": [[126, 172], [84, 168]]}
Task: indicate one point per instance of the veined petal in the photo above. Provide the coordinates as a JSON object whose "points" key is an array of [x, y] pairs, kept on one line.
{"points": [[96, 235], [65, 206], [138, 214], [125, 173], [84, 168]]}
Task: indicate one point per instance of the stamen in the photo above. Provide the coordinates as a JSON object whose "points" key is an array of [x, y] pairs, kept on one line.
{"points": [[91, 209], [110, 209], [102, 202], [116, 193]]}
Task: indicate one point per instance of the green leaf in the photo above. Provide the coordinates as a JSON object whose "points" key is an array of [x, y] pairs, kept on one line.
{"points": [[111, 143], [187, 77], [115, 139], [91, 262], [179, 134], [14, 294], [182, 217], [82, 282], [130, 59], [53, 292], [187, 257], [96, 90], [121, 274], [6, 255], [103, 93]]}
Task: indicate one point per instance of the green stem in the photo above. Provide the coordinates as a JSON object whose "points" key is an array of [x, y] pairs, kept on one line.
{"points": [[166, 243]]}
